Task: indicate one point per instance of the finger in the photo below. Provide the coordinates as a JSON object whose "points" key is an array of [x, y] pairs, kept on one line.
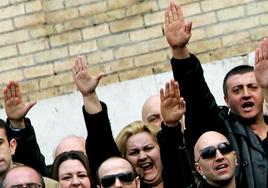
{"points": [[260, 53], [17, 90], [179, 14], [167, 89], [5, 94], [162, 96], [100, 75], [8, 91], [29, 106], [182, 105], [257, 56], [167, 21], [79, 63], [188, 28], [170, 15], [83, 63], [265, 49], [171, 89], [177, 90], [174, 12], [13, 89]]}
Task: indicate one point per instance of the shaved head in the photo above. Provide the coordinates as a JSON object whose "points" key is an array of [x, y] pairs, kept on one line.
{"points": [[75, 143], [151, 112]]}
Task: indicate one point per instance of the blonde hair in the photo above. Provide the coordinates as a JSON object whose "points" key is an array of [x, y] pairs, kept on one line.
{"points": [[132, 129]]}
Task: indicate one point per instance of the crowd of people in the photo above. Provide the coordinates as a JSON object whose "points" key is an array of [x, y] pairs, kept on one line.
{"points": [[185, 140]]}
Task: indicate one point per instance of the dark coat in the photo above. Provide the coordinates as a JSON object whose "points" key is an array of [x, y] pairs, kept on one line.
{"points": [[28, 151], [100, 144], [203, 115]]}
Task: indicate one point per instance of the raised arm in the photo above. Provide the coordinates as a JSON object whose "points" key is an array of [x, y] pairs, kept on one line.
{"points": [[177, 170], [15, 108], [86, 84], [172, 105], [96, 117], [178, 32], [261, 67], [202, 111], [20, 128]]}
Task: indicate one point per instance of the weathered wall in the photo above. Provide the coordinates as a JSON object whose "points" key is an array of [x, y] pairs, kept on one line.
{"points": [[39, 39], [57, 117]]}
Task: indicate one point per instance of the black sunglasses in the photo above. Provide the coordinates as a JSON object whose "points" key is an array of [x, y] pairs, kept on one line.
{"points": [[210, 152], [125, 177]]}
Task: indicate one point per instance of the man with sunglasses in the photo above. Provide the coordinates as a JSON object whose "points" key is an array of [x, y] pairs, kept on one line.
{"points": [[215, 160], [117, 172], [242, 121]]}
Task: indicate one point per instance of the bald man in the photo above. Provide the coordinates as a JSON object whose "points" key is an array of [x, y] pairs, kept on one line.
{"points": [[69, 143], [23, 176], [151, 111], [117, 172], [215, 160]]}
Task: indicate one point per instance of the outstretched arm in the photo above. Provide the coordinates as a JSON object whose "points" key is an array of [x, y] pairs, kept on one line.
{"points": [[178, 32], [261, 67], [15, 108], [96, 118], [86, 84], [172, 105], [174, 156], [20, 128]]}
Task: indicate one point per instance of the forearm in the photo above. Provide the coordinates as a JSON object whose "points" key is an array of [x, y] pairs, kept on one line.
{"points": [[92, 103], [174, 156], [100, 143], [180, 53], [28, 151]]}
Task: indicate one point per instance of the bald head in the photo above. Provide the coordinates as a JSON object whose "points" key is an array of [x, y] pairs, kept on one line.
{"points": [[218, 162], [22, 175], [75, 143], [114, 167], [210, 138], [151, 110]]}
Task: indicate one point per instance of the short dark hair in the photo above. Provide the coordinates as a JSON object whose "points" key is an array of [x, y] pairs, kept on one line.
{"points": [[241, 69], [3, 125], [71, 155]]}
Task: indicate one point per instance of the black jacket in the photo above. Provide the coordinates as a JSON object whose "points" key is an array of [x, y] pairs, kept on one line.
{"points": [[203, 115], [100, 143], [28, 151]]}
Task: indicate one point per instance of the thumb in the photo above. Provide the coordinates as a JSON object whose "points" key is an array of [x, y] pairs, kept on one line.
{"points": [[188, 27], [29, 106], [100, 76]]}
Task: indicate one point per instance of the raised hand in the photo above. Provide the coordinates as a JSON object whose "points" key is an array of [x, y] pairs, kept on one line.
{"points": [[15, 108], [172, 105], [178, 33], [261, 64], [85, 82]]}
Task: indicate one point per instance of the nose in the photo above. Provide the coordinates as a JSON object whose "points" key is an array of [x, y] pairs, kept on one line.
{"points": [[246, 93], [76, 181], [142, 155], [118, 183], [219, 156]]}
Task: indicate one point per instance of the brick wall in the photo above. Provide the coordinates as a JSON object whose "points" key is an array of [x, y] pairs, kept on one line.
{"points": [[39, 39]]}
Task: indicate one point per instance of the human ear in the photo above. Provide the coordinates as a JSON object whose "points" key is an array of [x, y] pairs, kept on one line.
{"points": [[12, 146], [226, 101], [198, 168], [236, 162]]}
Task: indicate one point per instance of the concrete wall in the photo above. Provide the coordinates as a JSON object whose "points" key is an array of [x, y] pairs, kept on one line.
{"points": [[57, 117]]}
